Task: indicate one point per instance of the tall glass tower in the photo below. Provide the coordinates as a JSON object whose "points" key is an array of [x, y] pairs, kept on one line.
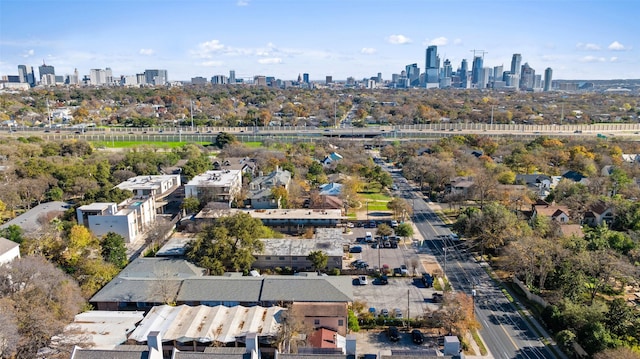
{"points": [[476, 70]]}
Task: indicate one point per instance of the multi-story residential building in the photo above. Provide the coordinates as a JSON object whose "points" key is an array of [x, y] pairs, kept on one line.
{"points": [[159, 187], [215, 186], [130, 219]]}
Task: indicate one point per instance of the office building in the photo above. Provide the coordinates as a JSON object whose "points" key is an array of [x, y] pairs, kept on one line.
{"points": [[516, 60], [548, 74], [476, 70], [464, 74], [305, 78], [219, 80], [99, 77], [432, 67], [328, 80], [155, 77], [413, 74], [232, 76], [45, 69], [260, 80], [527, 77], [198, 80], [25, 75]]}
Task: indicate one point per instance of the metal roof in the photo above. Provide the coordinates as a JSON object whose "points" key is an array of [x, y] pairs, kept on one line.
{"points": [[209, 324]]}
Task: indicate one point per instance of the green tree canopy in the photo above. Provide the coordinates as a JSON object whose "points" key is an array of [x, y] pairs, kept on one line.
{"points": [[114, 250], [319, 260], [229, 242]]}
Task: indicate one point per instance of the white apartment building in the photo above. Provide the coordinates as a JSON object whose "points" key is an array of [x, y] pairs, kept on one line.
{"points": [[159, 187], [215, 186], [130, 219]]}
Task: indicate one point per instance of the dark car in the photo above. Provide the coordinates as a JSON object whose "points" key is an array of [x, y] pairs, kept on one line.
{"points": [[417, 336], [384, 280], [356, 249], [393, 333]]}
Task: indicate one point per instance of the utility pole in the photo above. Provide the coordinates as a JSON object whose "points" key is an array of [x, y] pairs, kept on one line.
{"points": [[444, 270], [492, 116], [191, 115], [408, 310]]}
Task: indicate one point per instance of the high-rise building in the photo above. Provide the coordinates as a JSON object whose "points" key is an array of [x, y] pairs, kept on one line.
{"points": [[413, 74], [232, 77], [198, 80], [548, 74], [527, 77], [328, 79], [476, 70], [516, 60], [305, 78], [45, 69], [432, 66], [25, 75], [447, 69], [155, 77], [260, 80], [219, 80], [464, 74]]}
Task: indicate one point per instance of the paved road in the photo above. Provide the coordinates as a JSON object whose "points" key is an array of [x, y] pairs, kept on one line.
{"points": [[506, 334]]}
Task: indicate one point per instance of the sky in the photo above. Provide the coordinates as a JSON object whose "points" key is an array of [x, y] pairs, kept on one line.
{"points": [[578, 39]]}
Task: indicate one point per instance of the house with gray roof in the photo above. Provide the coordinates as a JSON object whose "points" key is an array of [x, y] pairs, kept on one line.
{"points": [[32, 220], [261, 189]]}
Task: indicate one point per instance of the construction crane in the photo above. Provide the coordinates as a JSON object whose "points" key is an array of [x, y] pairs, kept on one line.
{"points": [[479, 51]]}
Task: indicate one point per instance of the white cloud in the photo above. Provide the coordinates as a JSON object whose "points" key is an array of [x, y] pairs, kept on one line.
{"points": [[212, 63], [368, 51], [457, 41], [616, 46], [270, 61], [207, 49], [29, 53], [588, 46], [398, 39], [613, 59], [439, 41], [243, 3], [146, 52], [592, 59], [262, 53]]}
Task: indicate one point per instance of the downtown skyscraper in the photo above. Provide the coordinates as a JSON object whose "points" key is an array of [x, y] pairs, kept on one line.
{"points": [[432, 67]]}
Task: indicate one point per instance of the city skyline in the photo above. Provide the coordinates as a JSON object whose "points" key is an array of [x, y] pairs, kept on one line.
{"points": [[579, 40]]}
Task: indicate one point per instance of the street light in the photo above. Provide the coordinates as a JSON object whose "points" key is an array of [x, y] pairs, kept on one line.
{"points": [[367, 211]]}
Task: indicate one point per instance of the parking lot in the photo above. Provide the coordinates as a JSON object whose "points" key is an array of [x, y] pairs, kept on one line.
{"points": [[407, 293]]}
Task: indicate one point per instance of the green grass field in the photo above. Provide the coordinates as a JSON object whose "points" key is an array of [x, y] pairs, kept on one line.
{"points": [[131, 144], [375, 197]]}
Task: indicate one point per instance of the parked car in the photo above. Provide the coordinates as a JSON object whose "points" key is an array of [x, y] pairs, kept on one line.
{"points": [[384, 312], [397, 312], [394, 223], [394, 244], [404, 270], [355, 249], [393, 333], [384, 280], [363, 280], [350, 225], [417, 336]]}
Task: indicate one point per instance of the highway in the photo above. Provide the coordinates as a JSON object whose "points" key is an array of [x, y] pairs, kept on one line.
{"points": [[505, 332]]}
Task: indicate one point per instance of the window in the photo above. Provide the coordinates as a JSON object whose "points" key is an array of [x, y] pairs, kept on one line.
{"points": [[294, 258], [267, 258], [316, 322], [341, 322], [281, 258]]}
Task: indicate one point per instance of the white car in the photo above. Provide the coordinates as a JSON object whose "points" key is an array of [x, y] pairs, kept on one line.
{"points": [[363, 280]]}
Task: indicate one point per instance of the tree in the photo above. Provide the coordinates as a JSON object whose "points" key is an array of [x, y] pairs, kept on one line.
{"points": [[404, 230], [318, 259], [228, 243], [384, 230], [617, 353], [190, 205], [399, 206], [12, 233], [41, 298], [114, 250], [224, 138]]}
